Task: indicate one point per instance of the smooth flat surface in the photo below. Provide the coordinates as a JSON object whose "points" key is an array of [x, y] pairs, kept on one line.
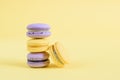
{"points": [[89, 31]]}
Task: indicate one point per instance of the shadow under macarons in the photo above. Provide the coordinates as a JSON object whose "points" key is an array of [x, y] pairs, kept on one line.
{"points": [[15, 63], [12, 63]]}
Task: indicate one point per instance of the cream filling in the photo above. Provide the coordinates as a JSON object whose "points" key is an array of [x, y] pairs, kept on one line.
{"points": [[37, 45]]}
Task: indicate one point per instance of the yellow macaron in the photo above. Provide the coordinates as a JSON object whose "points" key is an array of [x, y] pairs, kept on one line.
{"points": [[37, 45], [56, 52]]}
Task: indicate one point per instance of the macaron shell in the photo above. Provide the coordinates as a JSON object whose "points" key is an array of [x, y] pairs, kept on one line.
{"points": [[38, 26], [38, 56], [40, 34], [37, 42], [37, 49], [39, 64]]}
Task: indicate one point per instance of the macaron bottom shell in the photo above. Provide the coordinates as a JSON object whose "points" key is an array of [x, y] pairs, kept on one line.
{"points": [[41, 34], [39, 64], [38, 49]]}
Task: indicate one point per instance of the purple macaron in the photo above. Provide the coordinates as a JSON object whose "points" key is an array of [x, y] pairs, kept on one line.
{"points": [[38, 59], [38, 30]]}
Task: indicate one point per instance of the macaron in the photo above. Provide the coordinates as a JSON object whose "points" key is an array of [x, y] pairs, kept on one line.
{"points": [[38, 30], [60, 52], [55, 52], [38, 59], [37, 45]]}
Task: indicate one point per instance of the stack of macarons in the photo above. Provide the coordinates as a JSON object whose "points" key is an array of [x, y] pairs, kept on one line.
{"points": [[38, 45]]}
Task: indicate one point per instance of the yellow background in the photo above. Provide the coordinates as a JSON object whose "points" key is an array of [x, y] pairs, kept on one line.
{"points": [[88, 29]]}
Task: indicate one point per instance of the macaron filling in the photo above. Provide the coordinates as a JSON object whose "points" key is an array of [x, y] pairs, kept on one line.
{"points": [[37, 60]]}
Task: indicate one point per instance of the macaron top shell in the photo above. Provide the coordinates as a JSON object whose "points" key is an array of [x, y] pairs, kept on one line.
{"points": [[38, 56], [38, 26]]}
